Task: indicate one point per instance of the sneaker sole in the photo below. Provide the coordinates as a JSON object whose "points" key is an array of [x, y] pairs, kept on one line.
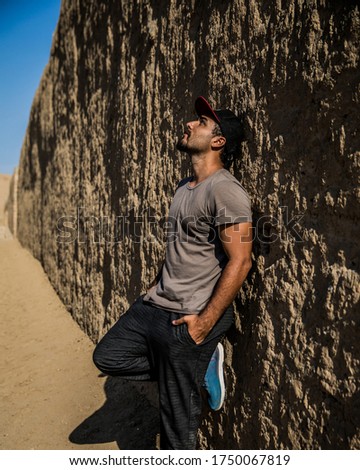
{"points": [[220, 371]]}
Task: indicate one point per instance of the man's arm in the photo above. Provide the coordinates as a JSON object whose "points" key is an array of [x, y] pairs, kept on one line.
{"points": [[157, 278], [237, 243]]}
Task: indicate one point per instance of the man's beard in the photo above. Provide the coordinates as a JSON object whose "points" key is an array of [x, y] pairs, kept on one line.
{"points": [[182, 146]]}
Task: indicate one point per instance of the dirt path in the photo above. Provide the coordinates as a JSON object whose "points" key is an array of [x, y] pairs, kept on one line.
{"points": [[51, 394]]}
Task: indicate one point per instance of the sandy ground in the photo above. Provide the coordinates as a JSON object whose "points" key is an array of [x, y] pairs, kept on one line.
{"points": [[52, 396]]}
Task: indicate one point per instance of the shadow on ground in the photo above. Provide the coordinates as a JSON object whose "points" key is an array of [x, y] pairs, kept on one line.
{"points": [[129, 417]]}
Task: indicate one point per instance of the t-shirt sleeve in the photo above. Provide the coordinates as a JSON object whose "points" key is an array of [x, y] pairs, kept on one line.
{"points": [[230, 203]]}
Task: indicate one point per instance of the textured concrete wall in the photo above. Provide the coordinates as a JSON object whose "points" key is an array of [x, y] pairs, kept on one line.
{"points": [[6, 213], [121, 79], [4, 194], [11, 207]]}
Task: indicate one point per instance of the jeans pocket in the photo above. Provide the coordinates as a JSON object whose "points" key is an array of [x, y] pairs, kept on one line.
{"points": [[182, 334], [187, 334]]}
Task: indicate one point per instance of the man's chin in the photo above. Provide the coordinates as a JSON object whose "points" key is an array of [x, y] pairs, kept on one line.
{"points": [[181, 146]]}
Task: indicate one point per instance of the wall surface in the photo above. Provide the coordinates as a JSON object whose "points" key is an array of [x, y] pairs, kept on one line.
{"points": [[4, 194], [7, 215], [99, 148], [10, 206]]}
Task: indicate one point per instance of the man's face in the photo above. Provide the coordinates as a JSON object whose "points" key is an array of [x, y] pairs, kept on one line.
{"points": [[197, 136]]}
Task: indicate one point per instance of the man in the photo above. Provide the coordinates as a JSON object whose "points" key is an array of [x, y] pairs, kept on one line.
{"points": [[171, 334]]}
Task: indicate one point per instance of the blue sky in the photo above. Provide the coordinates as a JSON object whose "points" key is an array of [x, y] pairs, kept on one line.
{"points": [[26, 29]]}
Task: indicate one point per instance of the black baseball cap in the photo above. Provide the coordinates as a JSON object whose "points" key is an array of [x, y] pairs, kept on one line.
{"points": [[231, 126]]}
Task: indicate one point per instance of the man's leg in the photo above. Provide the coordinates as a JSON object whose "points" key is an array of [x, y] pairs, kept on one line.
{"points": [[144, 344], [182, 367], [124, 350]]}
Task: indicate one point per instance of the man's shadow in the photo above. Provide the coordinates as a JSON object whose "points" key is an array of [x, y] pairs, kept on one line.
{"points": [[129, 416]]}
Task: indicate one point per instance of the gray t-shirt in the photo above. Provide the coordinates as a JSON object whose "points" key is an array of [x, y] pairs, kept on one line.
{"points": [[195, 257]]}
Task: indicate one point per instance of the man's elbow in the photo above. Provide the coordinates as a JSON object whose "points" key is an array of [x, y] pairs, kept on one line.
{"points": [[244, 264], [247, 264]]}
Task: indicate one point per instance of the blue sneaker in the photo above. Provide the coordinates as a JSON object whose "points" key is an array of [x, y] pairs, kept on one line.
{"points": [[214, 379]]}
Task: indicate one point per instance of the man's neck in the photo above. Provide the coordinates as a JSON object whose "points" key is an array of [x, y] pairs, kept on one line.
{"points": [[202, 169]]}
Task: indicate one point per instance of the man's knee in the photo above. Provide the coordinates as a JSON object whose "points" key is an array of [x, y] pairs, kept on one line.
{"points": [[101, 360], [116, 364]]}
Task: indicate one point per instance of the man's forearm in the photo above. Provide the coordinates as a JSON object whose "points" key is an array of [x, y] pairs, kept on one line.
{"points": [[227, 287], [230, 282]]}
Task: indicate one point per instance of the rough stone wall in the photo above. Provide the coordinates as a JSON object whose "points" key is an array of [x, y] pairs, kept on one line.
{"points": [[121, 79], [6, 216], [10, 213], [4, 194]]}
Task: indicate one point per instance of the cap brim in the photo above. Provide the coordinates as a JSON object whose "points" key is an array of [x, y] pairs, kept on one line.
{"points": [[203, 108]]}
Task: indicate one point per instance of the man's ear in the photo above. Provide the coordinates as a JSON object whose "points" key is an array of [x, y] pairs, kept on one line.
{"points": [[218, 142]]}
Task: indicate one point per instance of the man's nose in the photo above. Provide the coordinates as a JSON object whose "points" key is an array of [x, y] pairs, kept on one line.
{"points": [[190, 124]]}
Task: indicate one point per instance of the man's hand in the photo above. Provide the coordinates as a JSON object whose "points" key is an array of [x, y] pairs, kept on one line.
{"points": [[198, 327]]}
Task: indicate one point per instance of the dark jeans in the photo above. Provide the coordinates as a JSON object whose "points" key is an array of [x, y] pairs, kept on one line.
{"points": [[144, 345]]}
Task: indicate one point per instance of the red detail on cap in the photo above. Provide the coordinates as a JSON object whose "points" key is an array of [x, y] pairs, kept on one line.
{"points": [[202, 107]]}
